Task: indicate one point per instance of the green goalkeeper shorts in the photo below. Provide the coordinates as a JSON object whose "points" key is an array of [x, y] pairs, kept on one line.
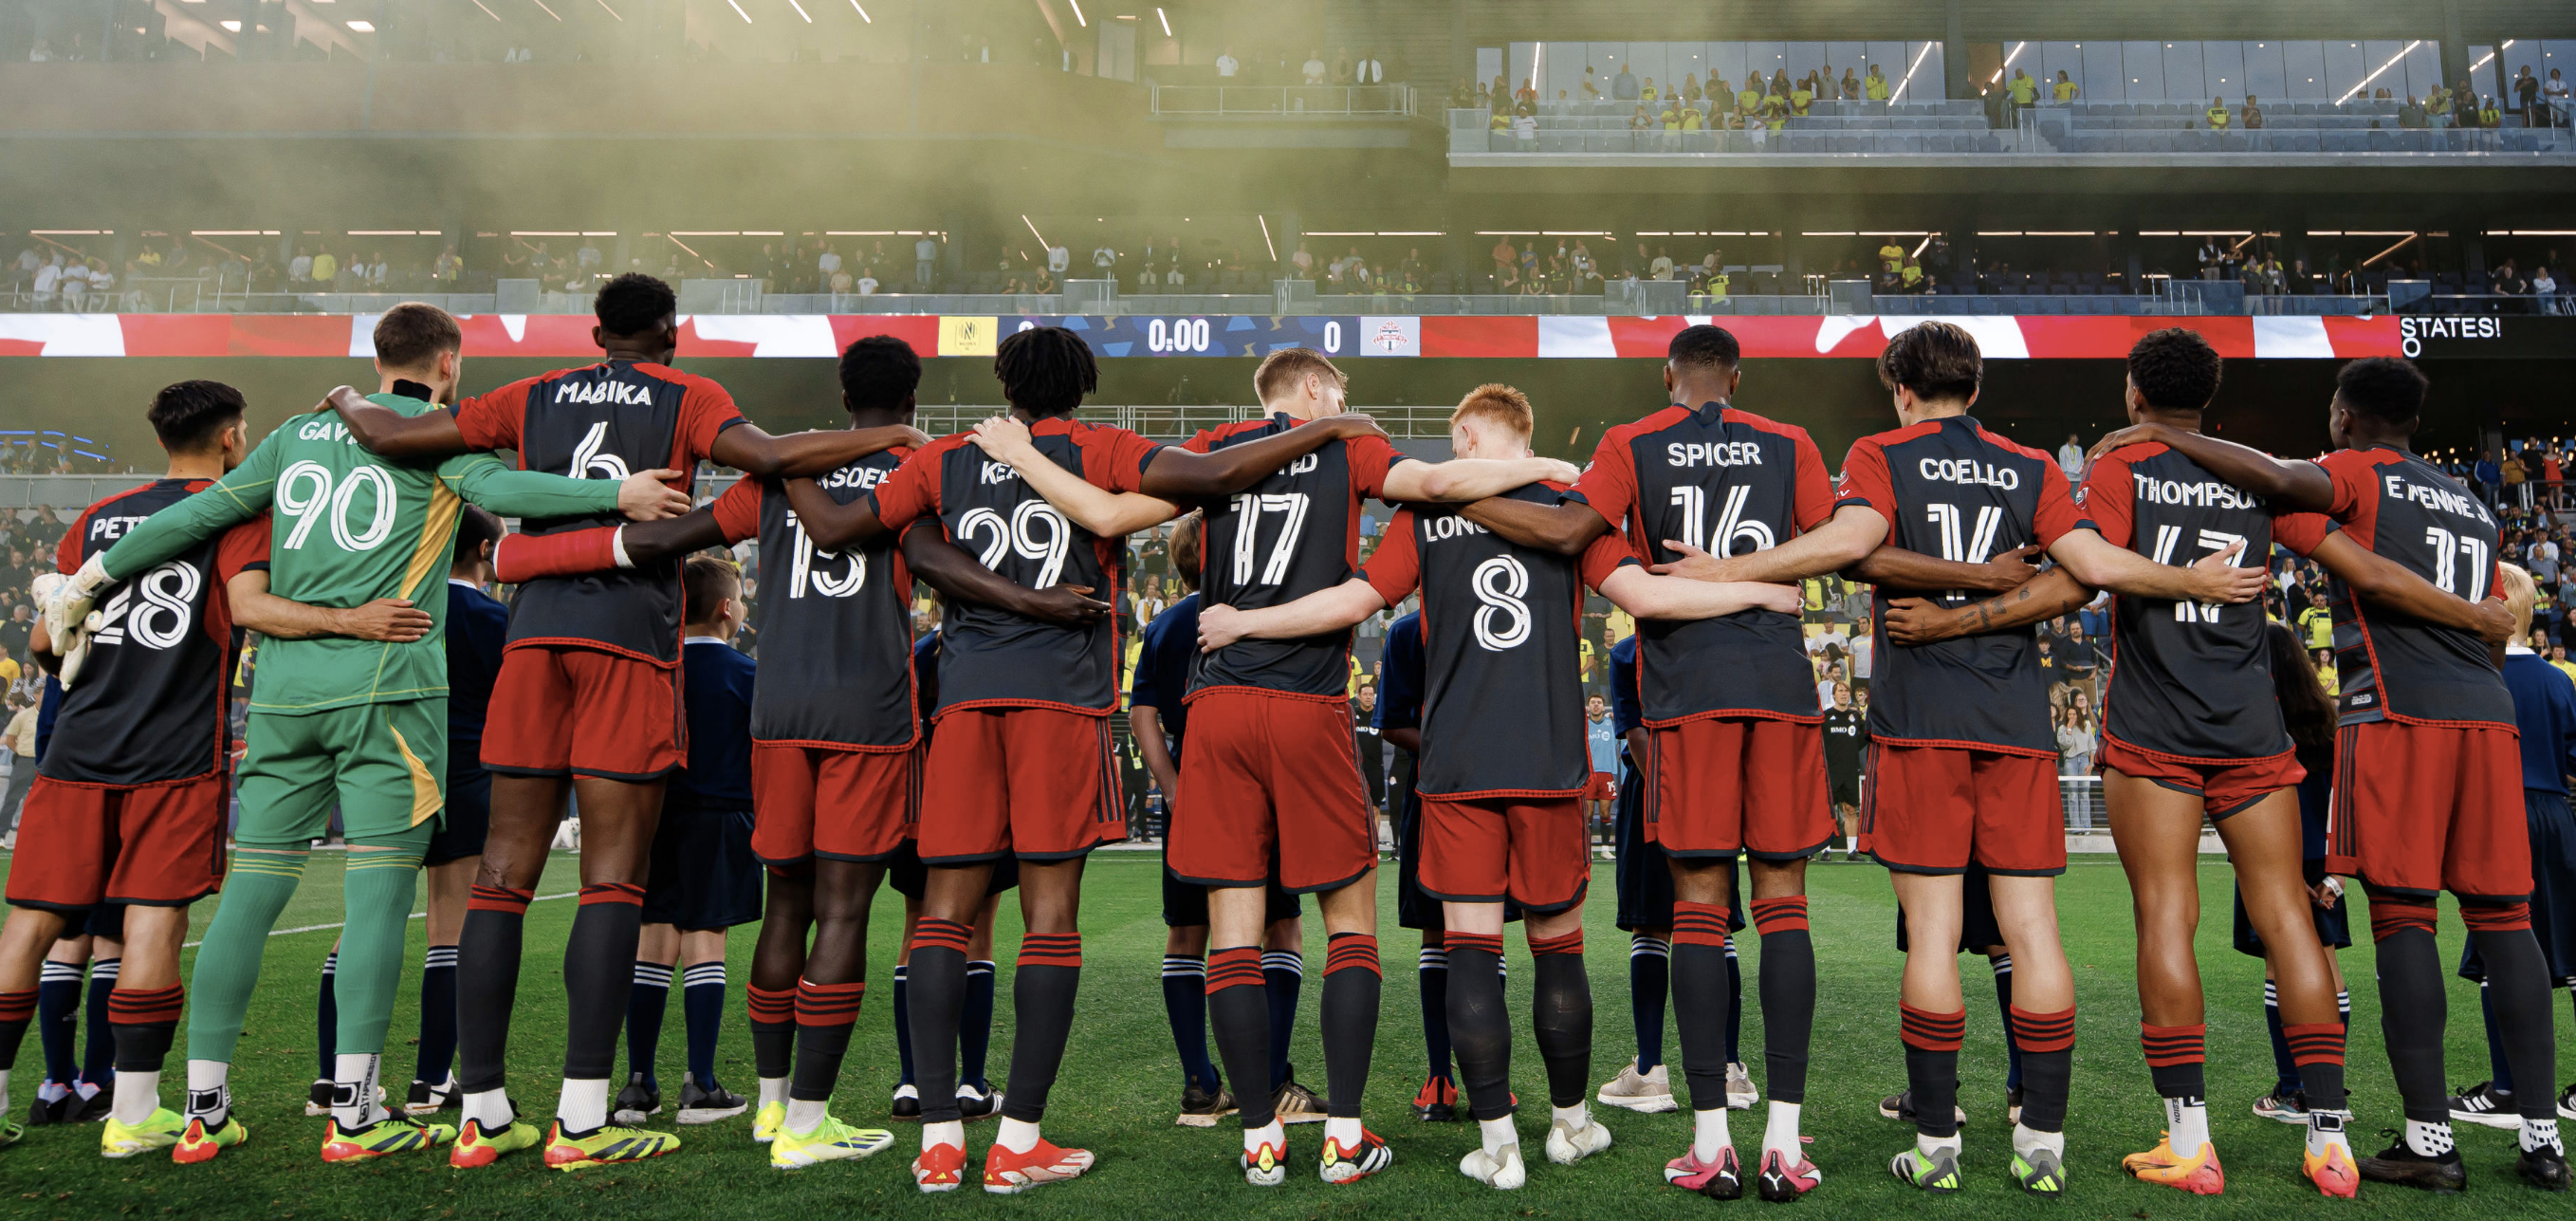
{"points": [[383, 765]]}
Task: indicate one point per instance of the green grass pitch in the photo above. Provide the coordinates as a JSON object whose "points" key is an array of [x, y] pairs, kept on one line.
{"points": [[1120, 1086]]}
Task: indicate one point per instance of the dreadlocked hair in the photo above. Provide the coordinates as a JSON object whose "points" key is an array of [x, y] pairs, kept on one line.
{"points": [[1045, 370]]}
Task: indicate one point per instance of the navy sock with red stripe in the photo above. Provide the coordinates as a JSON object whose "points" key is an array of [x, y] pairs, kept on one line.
{"points": [[1932, 1066], [2177, 1059], [1042, 996], [1699, 1000], [2316, 1048], [938, 991], [17, 1012], [599, 975], [2412, 1007], [773, 1030], [487, 983], [1239, 1012], [825, 1015], [1788, 981], [1561, 1016], [1479, 1031], [145, 1020], [1352, 983], [2048, 1065]]}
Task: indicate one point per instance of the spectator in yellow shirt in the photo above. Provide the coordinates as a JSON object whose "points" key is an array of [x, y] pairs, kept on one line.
{"points": [[2064, 89], [2218, 117], [2326, 672], [1649, 93], [1876, 85], [1890, 257], [1671, 118], [2024, 90], [2558, 658], [1691, 118], [1801, 98], [325, 269]]}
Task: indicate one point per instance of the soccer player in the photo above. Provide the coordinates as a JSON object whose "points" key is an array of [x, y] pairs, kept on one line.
{"points": [[1157, 713], [1846, 737], [1274, 733], [1020, 765], [1504, 761], [587, 698], [1398, 716], [78, 1090], [478, 628], [2307, 708], [2426, 798], [1963, 762]]}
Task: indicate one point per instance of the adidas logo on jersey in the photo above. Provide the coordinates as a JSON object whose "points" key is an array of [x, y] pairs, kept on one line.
{"points": [[1720, 453], [622, 394]]}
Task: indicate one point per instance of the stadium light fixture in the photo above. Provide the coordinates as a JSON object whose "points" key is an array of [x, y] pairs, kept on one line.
{"points": [[2016, 54], [2401, 245], [1265, 236], [863, 13], [2393, 61], [549, 12], [1919, 57], [1033, 230], [1167, 21], [1078, 18], [235, 26], [363, 27], [487, 11], [737, 11], [800, 11], [611, 12]]}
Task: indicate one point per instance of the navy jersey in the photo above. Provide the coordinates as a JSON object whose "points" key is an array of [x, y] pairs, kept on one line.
{"points": [[2189, 680], [925, 672], [1400, 675], [2390, 667], [716, 686], [149, 705], [478, 626], [2544, 706], [1732, 483], [1162, 679], [1954, 491], [1627, 708]]}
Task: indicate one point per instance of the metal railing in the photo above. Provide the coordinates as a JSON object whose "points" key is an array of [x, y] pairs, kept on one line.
{"points": [[1283, 101], [63, 491]]}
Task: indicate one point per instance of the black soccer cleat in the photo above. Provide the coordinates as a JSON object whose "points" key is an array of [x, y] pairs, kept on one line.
{"points": [[976, 1101], [640, 1100], [907, 1102], [1900, 1107], [2443, 1175], [2545, 1169], [1437, 1101]]}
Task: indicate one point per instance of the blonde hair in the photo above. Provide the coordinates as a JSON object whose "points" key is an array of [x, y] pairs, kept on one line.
{"points": [[1286, 365], [2519, 596], [1499, 403]]}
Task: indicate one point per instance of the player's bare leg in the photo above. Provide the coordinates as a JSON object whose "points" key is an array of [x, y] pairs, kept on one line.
{"points": [[2043, 1022], [828, 993], [24, 941]]}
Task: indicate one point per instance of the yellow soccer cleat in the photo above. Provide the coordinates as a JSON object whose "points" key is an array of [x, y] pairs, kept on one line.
{"points": [[476, 1147], [391, 1134], [766, 1121], [607, 1145], [830, 1141], [199, 1144], [2200, 1174], [160, 1131]]}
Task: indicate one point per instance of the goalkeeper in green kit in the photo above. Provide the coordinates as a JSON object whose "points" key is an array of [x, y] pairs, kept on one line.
{"points": [[333, 719]]}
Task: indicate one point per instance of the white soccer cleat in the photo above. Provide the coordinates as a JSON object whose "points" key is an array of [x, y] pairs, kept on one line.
{"points": [[1567, 1144], [1651, 1092], [1500, 1171], [1740, 1091]]}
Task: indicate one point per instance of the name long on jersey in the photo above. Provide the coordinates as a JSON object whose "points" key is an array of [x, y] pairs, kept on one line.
{"points": [[1732, 483], [2389, 666], [836, 627], [606, 421], [1954, 491], [991, 656], [1501, 627], [2191, 680], [1291, 534]]}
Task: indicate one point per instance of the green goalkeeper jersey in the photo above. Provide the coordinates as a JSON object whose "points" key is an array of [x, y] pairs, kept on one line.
{"points": [[352, 527]]}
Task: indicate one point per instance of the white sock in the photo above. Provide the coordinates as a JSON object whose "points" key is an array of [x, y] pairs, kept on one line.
{"points": [[4, 1091], [1708, 1134], [1017, 1135], [773, 1089], [1344, 1132], [1781, 1134], [583, 1105], [1498, 1133], [1575, 1116], [802, 1116], [2028, 1140], [2540, 1134], [491, 1108], [353, 1090], [2325, 1130], [1929, 1145], [137, 1096], [1274, 1135], [2428, 1139], [2186, 1124], [951, 1133]]}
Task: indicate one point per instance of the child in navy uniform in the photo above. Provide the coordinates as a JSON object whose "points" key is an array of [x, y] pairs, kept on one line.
{"points": [[704, 878]]}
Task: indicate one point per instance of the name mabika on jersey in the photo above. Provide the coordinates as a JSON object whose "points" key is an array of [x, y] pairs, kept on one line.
{"points": [[622, 394]]}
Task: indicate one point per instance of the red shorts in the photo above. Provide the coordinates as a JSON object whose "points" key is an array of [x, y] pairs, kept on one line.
{"points": [[1484, 849], [1033, 783], [1254, 763], [1602, 787], [2224, 786], [2420, 809], [160, 845], [1724, 785], [1932, 809], [582, 712], [845, 805]]}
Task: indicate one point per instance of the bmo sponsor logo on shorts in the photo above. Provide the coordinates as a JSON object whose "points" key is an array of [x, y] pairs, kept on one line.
{"points": [[2413, 331], [1975, 474]]}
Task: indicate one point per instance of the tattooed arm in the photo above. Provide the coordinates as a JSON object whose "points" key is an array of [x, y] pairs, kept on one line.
{"points": [[1912, 621]]}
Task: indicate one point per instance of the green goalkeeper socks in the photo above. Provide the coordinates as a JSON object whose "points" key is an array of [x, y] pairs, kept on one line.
{"points": [[256, 891]]}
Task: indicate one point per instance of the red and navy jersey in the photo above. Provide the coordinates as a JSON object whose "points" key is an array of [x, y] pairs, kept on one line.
{"points": [[149, 706], [2189, 680], [602, 421], [1294, 533], [1501, 629], [2392, 667], [836, 628], [1954, 491], [1731, 483], [992, 658]]}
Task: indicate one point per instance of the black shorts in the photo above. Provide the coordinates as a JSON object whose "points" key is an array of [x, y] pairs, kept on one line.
{"points": [[1843, 787], [1977, 927], [1413, 908], [102, 920], [1185, 903], [704, 875], [2553, 889], [2334, 924], [909, 877], [469, 812], [1644, 877]]}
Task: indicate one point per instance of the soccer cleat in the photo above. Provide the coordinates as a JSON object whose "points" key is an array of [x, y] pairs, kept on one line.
{"points": [[427, 1098], [1294, 1103], [977, 1102], [2442, 1175], [1781, 1183], [476, 1147], [1567, 1144], [317, 1101], [607, 1145], [1437, 1101], [1740, 1093], [391, 1134], [830, 1141], [2287, 1106], [1351, 1165], [907, 1102], [1266, 1168], [92, 1107], [1722, 1179], [2199, 1174], [1200, 1109], [2040, 1172], [1937, 1172], [641, 1099], [765, 1122], [939, 1168], [2567, 1102], [1900, 1107], [2545, 1169], [708, 1103], [198, 1144], [2332, 1172], [1500, 1171], [1008, 1174], [160, 1130], [1650, 1092], [2486, 1106], [11, 1132], [42, 1111]]}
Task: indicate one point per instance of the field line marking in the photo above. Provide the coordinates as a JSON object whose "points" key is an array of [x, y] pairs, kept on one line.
{"points": [[315, 928]]}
